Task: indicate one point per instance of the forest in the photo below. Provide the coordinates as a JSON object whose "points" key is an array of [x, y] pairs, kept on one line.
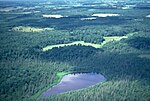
{"points": [[26, 71]]}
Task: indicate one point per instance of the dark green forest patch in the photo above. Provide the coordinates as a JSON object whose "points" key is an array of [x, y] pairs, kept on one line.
{"points": [[69, 53], [139, 43]]}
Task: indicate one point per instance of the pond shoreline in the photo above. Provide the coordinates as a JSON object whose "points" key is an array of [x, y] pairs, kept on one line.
{"points": [[38, 94], [74, 81]]}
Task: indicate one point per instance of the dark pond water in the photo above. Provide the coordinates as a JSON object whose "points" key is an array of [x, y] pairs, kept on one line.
{"points": [[73, 82]]}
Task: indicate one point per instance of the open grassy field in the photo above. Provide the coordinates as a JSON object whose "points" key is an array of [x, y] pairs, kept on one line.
{"points": [[69, 44], [30, 29], [107, 40], [36, 51]]}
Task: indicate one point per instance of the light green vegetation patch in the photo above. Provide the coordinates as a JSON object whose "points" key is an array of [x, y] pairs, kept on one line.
{"points": [[61, 74], [147, 56], [73, 43], [132, 34], [107, 40], [30, 29], [112, 38]]}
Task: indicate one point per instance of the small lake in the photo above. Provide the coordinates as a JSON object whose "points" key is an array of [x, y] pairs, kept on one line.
{"points": [[73, 82]]}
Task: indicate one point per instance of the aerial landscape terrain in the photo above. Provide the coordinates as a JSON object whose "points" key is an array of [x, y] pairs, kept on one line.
{"points": [[74, 50]]}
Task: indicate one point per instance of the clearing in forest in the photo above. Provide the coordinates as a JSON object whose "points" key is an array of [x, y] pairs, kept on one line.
{"points": [[107, 40], [30, 29]]}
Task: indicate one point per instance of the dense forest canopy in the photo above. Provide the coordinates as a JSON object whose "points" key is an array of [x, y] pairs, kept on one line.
{"points": [[113, 39]]}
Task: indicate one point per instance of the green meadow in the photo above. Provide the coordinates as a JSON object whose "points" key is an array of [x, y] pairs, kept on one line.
{"points": [[36, 52]]}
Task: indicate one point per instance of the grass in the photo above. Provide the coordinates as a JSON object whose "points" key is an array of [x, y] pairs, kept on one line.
{"points": [[69, 44], [107, 40], [112, 38], [30, 29], [60, 75]]}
